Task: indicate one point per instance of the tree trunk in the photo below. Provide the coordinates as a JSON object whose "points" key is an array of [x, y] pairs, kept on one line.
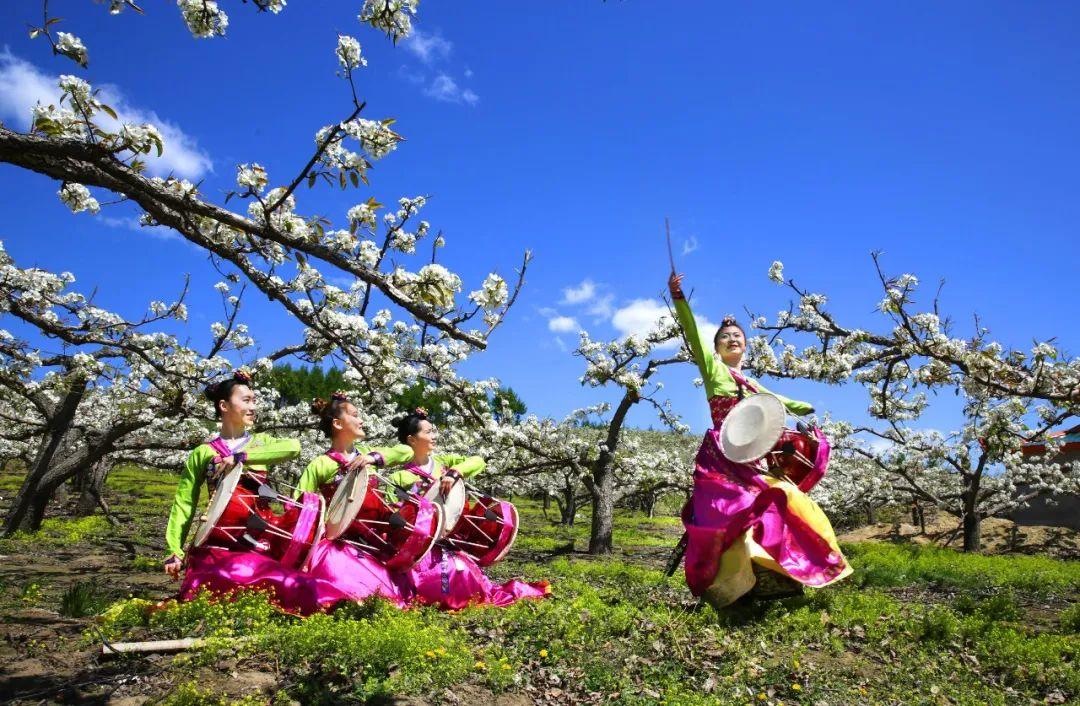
{"points": [[650, 504], [568, 507], [870, 513], [603, 514], [972, 534], [91, 481], [28, 508]]}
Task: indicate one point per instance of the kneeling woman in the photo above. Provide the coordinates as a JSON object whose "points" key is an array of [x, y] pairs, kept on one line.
{"points": [[221, 569], [748, 533], [352, 571], [447, 578]]}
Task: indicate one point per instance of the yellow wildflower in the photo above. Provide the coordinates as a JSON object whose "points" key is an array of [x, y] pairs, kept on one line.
{"points": [[543, 653], [796, 687]]}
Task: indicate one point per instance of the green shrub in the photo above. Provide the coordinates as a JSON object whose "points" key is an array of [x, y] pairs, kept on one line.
{"points": [[939, 625], [1070, 619], [82, 599]]}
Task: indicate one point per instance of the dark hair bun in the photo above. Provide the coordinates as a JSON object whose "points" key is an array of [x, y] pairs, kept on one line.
{"points": [[318, 406]]}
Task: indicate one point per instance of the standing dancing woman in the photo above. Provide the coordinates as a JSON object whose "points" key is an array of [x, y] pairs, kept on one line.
{"points": [[448, 578], [355, 572], [220, 569], [747, 532]]}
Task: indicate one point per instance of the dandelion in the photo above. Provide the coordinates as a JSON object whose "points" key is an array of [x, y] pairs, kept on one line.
{"points": [[543, 653], [429, 653], [796, 687], [480, 665]]}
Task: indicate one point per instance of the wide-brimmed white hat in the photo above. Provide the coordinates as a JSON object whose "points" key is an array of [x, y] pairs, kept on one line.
{"points": [[752, 428]]}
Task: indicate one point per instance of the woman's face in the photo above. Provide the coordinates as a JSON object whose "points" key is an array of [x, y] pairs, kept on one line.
{"points": [[424, 440], [239, 409], [731, 344], [349, 424]]}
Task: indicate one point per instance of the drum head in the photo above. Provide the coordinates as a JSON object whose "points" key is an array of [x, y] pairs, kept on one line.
{"points": [[752, 428], [346, 503], [452, 505], [218, 503]]}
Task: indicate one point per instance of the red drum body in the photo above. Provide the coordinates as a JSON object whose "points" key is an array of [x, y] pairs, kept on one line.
{"points": [[793, 455], [394, 525], [246, 514], [486, 531], [477, 525]]}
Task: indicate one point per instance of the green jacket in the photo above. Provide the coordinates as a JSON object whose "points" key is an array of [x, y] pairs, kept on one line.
{"points": [[263, 450]]}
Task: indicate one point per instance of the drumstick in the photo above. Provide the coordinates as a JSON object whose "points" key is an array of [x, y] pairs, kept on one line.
{"points": [[670, 254]]}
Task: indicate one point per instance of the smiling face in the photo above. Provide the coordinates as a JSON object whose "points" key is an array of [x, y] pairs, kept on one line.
{"points": [[424, 440], [730, 345], [348, 425], [238, 410]]}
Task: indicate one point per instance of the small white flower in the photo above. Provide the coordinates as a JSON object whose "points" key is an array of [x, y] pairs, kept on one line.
{"points": [[348, 52]]}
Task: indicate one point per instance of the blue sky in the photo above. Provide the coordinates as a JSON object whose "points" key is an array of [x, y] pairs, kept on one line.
{"points": [[945, 135]]}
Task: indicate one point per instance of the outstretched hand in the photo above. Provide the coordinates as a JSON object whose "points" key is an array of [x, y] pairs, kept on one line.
{"points": [[675, 285]]}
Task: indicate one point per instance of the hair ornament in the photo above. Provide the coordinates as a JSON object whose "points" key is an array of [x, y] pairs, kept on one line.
{"points": [[421, 412], [339, 396]]}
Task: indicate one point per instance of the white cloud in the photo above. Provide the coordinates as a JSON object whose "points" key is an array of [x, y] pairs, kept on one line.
{"points": [[602, 307], [689, 245], [428, 47], [641, 316], [563, 324], [22, 85], [581, 293], [446, 89]]}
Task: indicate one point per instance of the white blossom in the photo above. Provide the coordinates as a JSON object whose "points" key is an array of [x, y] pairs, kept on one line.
{"points": [[348, 52], [77, 197]]}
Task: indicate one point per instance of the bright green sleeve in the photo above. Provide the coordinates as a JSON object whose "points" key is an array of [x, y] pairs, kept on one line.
{"points": [[318, 473], [186, 499], [716, 376], [404, 478], [793, 406], [467, 466], [265, 450], [391, 455]]}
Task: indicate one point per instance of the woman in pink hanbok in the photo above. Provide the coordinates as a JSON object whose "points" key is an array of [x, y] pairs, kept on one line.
{"points": [[447, 578], [748, 532], [351, 570], [245, 563]]}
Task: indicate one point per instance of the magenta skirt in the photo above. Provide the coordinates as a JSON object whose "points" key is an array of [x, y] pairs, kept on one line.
{"points": [[452, 581], [222, 571]]}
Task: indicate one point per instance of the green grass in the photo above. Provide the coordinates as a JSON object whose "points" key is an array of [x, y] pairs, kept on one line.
{"points": [[59, 531], [879, 564], [913, 625], [614, 628]]}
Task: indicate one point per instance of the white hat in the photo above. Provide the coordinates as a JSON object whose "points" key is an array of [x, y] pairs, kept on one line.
{"points": [[752, 428]]}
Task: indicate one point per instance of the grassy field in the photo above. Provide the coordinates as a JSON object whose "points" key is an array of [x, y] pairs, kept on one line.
{"points": [[914, 625]]}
